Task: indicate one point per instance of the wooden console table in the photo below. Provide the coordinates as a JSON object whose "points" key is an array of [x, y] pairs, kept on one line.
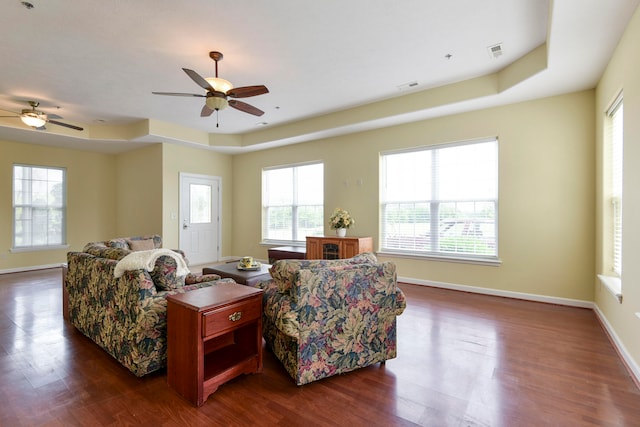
{"points": [[214, 334], [337, 247], [286, 252]]}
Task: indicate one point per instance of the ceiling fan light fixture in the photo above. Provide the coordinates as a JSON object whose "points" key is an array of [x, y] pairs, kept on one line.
{"points": [[219, 85], [216, 103], [33, 119]]}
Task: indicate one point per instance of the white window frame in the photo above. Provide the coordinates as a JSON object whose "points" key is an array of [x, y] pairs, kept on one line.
{"points": [[298, 236], [432, 223], [613, 147], [616, 115], [30, 239]]}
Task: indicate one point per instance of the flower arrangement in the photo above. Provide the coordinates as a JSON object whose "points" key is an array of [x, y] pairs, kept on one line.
{"points": [[341, 219]]}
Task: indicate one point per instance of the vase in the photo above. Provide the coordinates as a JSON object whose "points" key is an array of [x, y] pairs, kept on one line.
{"points": [[341, 232]]}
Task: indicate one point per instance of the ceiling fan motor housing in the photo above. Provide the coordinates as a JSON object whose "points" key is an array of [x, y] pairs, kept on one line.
{"points": [[216, 101], [33, 118], [33, 113]]}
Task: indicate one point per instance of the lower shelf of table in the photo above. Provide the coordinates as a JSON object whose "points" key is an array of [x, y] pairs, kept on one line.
{"points": [[222, 359], [219, 375]]}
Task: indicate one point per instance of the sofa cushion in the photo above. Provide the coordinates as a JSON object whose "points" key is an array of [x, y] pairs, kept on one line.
{"points": [[335, 275], [329, 292], [338, 281], [101, 251], [284, 271], [123, 242], [141, 245]]}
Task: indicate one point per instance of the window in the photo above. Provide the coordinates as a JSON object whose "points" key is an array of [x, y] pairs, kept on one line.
{"points": [[200, 203], [39, 206], [441, 201], [612, 198], [292, 202], [613, 143]]}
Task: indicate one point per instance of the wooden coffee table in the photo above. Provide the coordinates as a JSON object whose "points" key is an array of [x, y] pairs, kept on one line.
{"points": [[244, 277]]}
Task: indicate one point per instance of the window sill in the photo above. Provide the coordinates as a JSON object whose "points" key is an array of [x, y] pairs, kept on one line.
{"points": [[38, 248], [613, 285], [282, 243], [469, 260]]}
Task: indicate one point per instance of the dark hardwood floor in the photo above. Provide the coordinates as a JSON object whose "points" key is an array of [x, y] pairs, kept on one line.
{"points": [[463, 360]]}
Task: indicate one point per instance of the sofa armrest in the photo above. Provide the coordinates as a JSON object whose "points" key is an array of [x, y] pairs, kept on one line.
{"points": [[401, 302], [191, 279], [280, 309]]}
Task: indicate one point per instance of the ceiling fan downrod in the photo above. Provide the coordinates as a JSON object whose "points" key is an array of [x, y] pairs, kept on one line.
{"points": [[216, 56]]}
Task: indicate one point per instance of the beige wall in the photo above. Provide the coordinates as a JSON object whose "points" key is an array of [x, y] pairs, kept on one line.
{"points": [[139, 192], [91, 199], [546, 218], [622, 74], [127, 194], [177, 159]]}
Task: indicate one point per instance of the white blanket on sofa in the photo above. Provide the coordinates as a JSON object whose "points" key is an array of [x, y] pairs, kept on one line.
{"points": [[147, 259]]}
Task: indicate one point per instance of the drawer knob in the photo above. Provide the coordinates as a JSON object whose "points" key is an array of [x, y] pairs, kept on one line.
{"points": [[235, 316]]}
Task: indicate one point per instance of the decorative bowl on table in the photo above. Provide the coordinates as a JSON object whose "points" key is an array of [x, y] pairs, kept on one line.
{"points": [[254, 266], [248, 263]]}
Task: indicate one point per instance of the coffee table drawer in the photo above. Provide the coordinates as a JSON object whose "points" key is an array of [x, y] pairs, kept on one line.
{"points": [[231, 316]]}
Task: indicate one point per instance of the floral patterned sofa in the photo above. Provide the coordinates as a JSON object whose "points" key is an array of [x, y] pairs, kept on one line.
{"points": [[126, 316], [323, 318]]}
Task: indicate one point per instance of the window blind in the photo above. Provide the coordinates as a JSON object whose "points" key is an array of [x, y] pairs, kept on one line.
{"points": [[441, 200], [292, 202], [39, 206], [614, 139]]}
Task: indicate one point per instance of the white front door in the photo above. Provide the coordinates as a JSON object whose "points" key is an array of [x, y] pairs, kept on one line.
{"points": [[200, 217]]}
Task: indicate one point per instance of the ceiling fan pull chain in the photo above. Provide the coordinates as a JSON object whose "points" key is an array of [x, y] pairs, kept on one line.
{"points": [[217, 124]]}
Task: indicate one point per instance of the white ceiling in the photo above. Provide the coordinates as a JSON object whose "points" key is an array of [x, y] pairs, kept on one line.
{"points": [[99, 61]]}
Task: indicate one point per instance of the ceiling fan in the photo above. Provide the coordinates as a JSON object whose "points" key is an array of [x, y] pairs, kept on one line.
{"points": [[219, 90], [37, 119]]}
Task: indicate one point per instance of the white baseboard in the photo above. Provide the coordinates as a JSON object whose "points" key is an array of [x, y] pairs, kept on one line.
{"points": [[630, 363], [627, 359], [30, 268], [500, 293]]}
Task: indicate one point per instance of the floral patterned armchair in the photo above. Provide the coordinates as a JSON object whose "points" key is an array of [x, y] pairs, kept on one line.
{"points": [[323, 318]]}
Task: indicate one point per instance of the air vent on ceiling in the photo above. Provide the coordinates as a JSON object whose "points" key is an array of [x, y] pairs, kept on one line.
{"points": [[406, 86], [495, 51]]}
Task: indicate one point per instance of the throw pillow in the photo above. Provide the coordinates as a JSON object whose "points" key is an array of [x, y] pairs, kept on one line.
{"points": [[141, 245], [119, 243]]}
